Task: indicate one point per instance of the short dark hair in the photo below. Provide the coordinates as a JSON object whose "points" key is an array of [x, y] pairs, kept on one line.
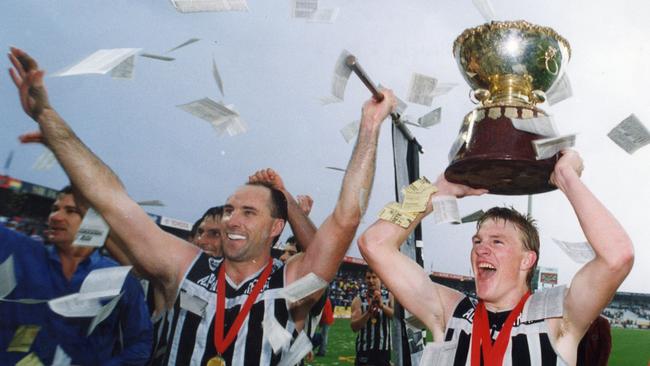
{"points": [[526, 227], [65, 190], [278, 204], [216, 212], [293, 241]]}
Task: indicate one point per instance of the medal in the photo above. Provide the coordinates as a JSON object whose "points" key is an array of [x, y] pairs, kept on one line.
{"points": [[216, 361], [223, 341], [481, 340], [373, 320]]}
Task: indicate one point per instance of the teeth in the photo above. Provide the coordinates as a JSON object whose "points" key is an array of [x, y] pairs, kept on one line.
{"points": [[486, 266], [236, 237]]}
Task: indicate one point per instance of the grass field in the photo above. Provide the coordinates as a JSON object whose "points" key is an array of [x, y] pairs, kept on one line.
{"points": [[631, 347]]}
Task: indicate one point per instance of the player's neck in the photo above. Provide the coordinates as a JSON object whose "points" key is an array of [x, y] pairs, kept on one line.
{"points": [[240, 271], [507, 302]]}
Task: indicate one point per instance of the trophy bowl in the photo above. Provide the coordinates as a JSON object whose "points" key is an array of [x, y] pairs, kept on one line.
{"points": [[509, 66]]}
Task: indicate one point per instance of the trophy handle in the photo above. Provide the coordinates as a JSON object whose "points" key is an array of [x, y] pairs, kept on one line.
{"points": [[478, 96], [538, 96]]}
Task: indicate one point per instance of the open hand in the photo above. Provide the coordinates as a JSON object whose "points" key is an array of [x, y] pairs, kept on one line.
{"points": [[268, 176], [28, 79]]}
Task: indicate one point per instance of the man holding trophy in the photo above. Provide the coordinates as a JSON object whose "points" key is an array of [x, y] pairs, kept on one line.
{"points": [[510, 65]]}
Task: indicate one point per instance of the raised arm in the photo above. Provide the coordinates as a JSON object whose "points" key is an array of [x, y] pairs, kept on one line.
{"points": [[333, 238], [147, 244], [593, 287], [406, 280]]}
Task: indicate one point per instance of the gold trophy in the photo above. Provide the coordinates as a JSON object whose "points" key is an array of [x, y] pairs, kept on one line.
{"points": [[509, 66]]}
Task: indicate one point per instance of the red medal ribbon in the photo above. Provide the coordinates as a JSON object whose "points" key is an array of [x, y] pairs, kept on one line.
{"points": [[481, 340], [221, 343]]}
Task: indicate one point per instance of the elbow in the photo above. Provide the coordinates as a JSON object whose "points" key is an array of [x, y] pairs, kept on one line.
{"points": [[366, 245], [347, 220], [623, 261]]}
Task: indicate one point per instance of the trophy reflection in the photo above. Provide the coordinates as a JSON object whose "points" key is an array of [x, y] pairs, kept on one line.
{"points": [[509, 66]]}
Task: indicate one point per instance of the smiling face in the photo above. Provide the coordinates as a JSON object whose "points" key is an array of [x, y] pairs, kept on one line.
{"points": [[500, 262], [248, 224], [63, 221]]}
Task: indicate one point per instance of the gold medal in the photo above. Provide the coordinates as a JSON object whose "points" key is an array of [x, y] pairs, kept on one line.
{"points": [[373, 320], [216, 361]]}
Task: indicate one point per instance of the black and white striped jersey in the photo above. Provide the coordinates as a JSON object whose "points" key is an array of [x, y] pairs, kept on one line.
{"points": [[529, 344], [375, 336], [189, 327]]}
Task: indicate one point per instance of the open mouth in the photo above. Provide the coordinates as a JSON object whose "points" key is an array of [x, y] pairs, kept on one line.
{"points": [[486, 270]]}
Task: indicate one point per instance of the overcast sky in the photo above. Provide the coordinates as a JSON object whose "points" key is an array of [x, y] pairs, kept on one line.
{"points": [[274, 70]]}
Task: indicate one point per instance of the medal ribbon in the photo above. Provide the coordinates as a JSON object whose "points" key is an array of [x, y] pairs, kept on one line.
{"points": [[481, 340], [221, 343]]}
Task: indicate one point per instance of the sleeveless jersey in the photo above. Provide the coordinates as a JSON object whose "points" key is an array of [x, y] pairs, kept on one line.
{"points": [[189, 325], [374, 337], [529, 344]]}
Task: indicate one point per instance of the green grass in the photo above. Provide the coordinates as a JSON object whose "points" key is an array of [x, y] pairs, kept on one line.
{"points": [[630, 347]]}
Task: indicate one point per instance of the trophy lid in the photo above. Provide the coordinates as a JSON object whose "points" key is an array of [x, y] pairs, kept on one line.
{"points": [[511, 49]]}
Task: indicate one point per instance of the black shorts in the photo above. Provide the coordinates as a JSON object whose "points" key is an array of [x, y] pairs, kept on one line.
{"points": [[372, 358]]}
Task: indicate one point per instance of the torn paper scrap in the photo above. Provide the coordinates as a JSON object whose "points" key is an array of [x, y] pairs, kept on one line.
{"points": [[195, 6], [7, 277], [184, 44], [103, 313], [545, 148], [324, 16], [630, 134], [456, 146], [485, 8], [61, 358], [445, 209], [474, 216], [421, 89], [299, 350], [580, 252], [100, 62], [92, 231], [208, 110], [217, 77], [193, 304], [303, 287], [430, 118], [72, 306], [233, 126], [394, 213], [152, 203], [560, 91], [303, 8], [124, 70], [104, 282], [442, 89], [30, 360], [45, 161], [157, 57], [329, 99], [350, 131], [275, 333], [542, 125], [341, 75], [23, 338]]}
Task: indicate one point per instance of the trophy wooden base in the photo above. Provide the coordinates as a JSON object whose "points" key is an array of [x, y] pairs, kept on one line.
{"points": [[501, 158]]}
